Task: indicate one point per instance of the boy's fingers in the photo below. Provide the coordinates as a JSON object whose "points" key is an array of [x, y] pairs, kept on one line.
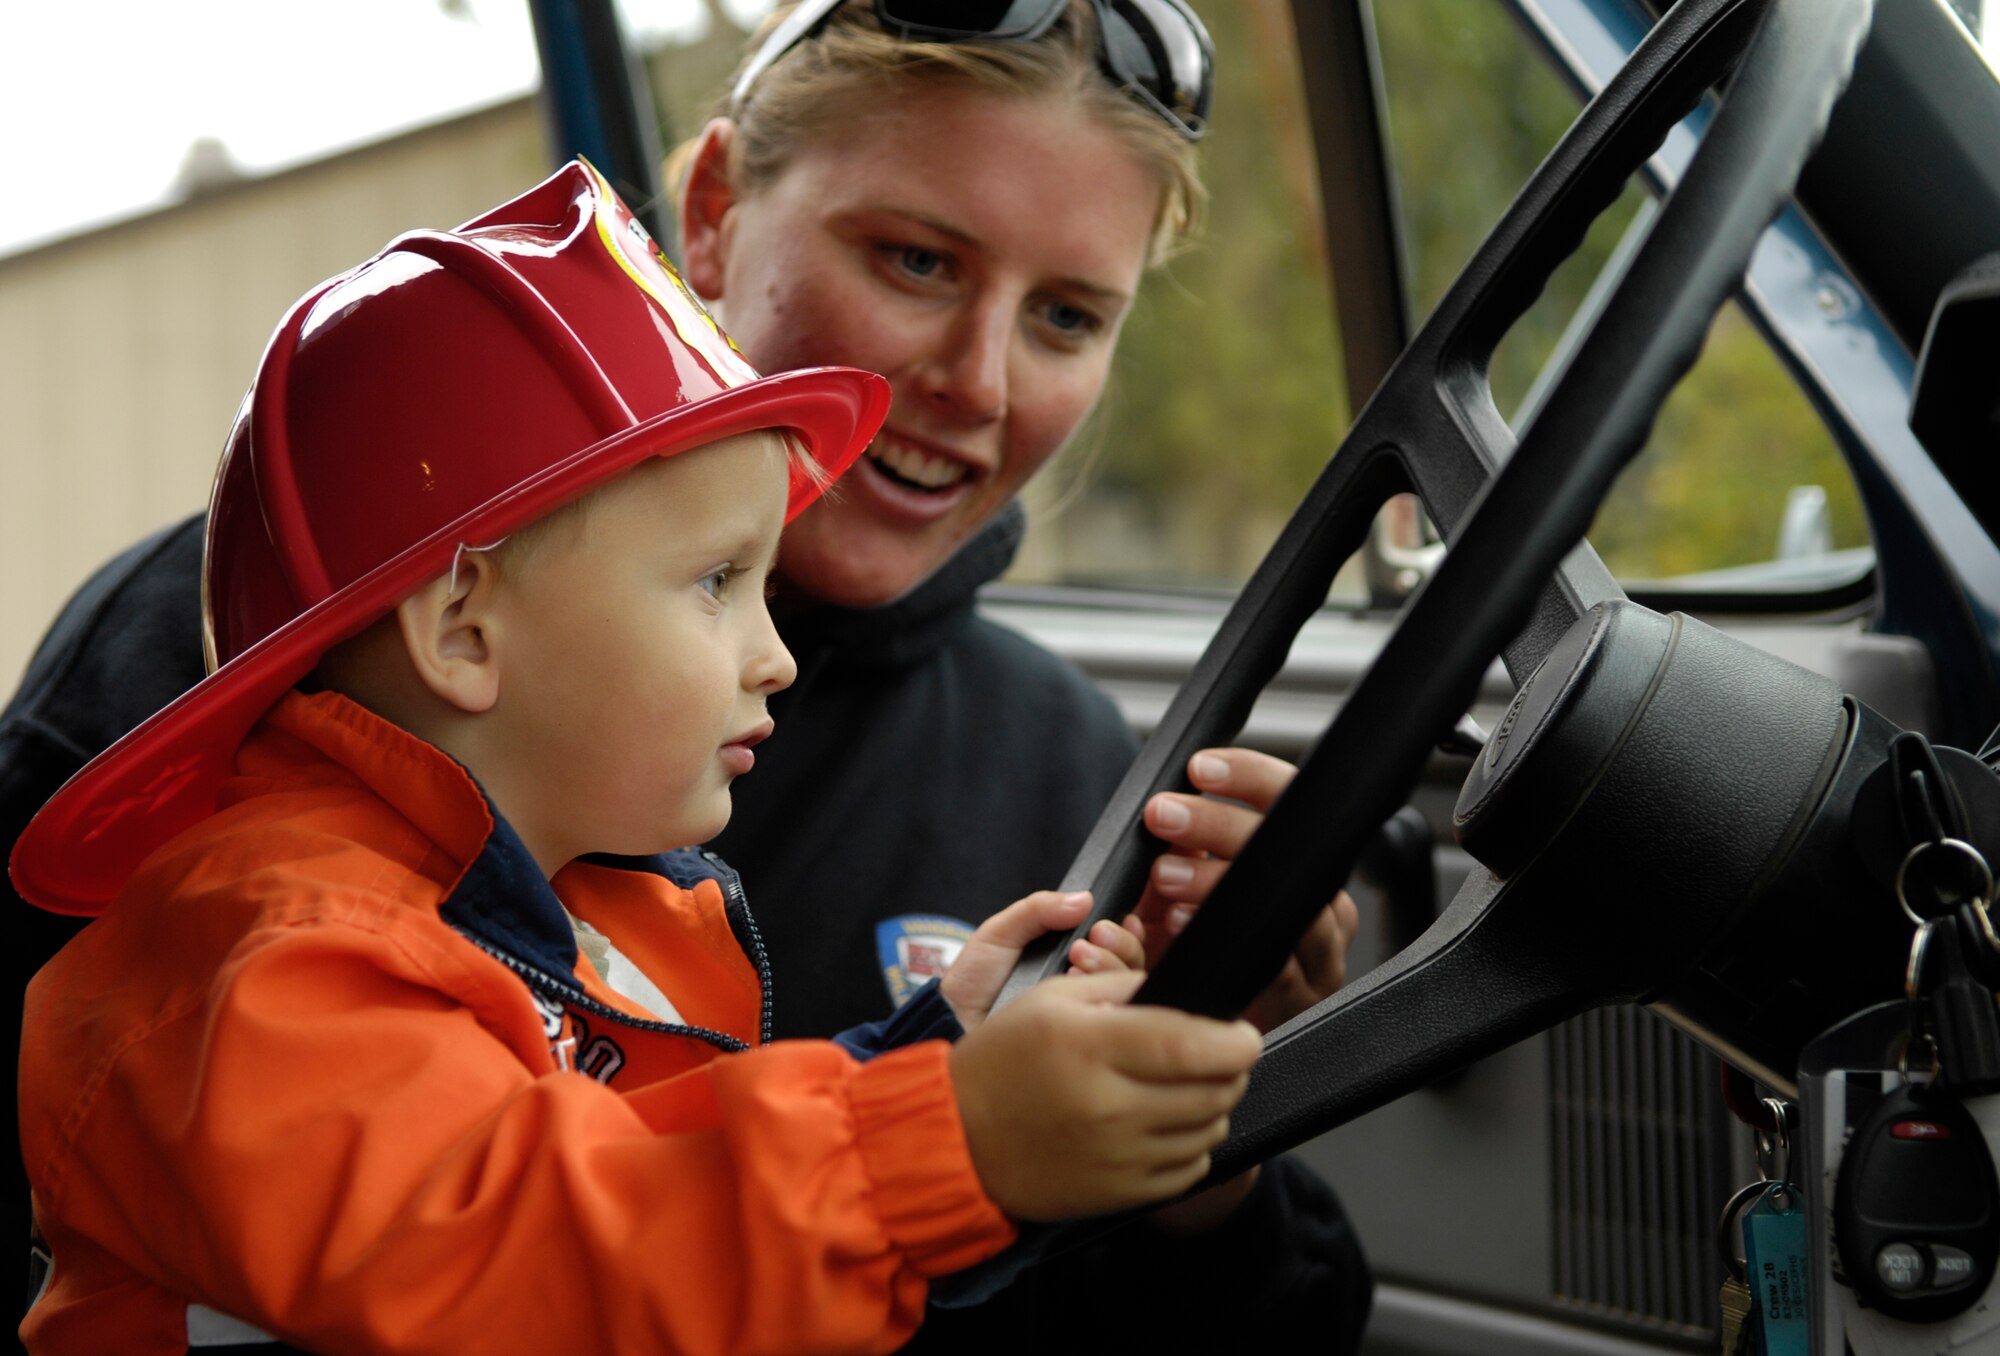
{"points": [[1187, 1107], [1190, 1142], [1026, 919], [1158, 1045], [1111, 989], [1173, 1179], [1121, 946]]}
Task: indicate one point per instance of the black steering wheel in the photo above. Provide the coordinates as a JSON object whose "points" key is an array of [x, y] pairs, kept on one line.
{"points": [[1538, 938]]}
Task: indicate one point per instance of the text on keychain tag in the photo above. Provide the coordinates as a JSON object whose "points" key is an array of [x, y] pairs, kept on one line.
{"points": [[1774, 1254]]}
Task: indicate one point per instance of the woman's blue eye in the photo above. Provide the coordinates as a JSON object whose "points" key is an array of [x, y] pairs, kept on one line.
{"points": [[920, 262], [1070, 318]]}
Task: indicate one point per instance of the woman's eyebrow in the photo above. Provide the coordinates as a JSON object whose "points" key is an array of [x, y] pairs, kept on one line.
{"points": [[949, 230]]}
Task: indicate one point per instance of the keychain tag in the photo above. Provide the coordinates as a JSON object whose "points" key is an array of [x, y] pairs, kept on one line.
{"points": [[1774, 1252]]}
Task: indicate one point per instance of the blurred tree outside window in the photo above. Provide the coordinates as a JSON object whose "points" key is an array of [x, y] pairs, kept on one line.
{"points": [[1739, 461], [1228, 394]]}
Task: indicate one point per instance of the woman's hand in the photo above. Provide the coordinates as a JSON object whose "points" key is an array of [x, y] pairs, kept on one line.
{"points": [[1205, 833]]}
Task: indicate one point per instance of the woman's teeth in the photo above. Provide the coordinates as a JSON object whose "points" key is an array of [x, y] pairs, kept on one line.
{"points": [[915, 467]]}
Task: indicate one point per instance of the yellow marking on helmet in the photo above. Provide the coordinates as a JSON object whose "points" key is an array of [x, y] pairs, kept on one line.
{"points": [[690, 319]]}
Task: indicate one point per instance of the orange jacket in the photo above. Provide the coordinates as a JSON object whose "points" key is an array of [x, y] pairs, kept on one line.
{"points": [[332, 1066]]}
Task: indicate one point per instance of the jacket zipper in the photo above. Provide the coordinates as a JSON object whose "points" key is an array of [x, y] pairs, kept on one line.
{"points": [[736, 906], [544, 982]]}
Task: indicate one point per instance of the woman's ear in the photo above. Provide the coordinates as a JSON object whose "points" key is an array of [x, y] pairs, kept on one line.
{"points": [[706, 200], [448, 631]]}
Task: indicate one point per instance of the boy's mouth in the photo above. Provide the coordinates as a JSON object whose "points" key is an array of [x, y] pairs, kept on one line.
{"points": [[913, 468], [737, 754]]}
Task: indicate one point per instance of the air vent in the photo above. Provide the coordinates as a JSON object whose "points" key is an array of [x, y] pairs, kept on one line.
{"points": [[1640, 1140]]}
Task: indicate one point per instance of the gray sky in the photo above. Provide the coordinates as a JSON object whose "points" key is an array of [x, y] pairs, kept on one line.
{"points": [[100, 99]]}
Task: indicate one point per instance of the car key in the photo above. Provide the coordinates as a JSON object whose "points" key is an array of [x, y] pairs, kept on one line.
{"points": [[1916, 1210]]}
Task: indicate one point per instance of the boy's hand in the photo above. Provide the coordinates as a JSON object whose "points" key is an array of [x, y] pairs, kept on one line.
{"points": [[1075, 1103], [1205, 834], [974, 980]]}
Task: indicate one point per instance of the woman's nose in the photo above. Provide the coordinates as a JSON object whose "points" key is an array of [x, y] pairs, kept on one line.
{"points": [[970, 374]]}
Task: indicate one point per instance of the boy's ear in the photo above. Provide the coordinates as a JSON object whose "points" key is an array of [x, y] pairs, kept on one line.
{"points": [[447, 630], [706, 200]]}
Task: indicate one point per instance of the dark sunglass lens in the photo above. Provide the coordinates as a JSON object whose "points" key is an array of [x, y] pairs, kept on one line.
{"points": [[1161, 49], [957, 20]]}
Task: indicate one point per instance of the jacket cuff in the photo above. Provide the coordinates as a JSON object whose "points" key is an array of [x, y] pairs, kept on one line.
{"points": [[926, 1017], [913, 1147]]}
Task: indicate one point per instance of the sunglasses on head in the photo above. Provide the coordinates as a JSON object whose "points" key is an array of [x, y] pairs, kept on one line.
{"points": [[1155, 50]]}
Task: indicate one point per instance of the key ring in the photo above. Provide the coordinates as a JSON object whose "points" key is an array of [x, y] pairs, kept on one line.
{"points": [[1979, 897], [1913, 975], [1774, 1150], [1903, 1059], [1739, 1095], [1979, 910], [1746, 1195]]}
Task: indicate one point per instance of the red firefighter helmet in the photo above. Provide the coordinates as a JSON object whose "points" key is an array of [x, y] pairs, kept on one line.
{"points": [[457, 386]]}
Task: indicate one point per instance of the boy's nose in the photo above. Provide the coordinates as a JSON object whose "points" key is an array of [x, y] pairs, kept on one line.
{"points": [[771, 667]]}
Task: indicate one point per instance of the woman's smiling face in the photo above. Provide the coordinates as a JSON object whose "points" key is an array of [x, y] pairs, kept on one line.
{"points": [[980, 250]]}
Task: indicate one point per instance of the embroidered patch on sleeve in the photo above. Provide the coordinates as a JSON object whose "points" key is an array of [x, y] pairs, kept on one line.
{"points": [[915, 948]]}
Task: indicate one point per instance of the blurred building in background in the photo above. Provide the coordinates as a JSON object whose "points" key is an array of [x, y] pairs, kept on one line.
{"points": [[125, 350]]}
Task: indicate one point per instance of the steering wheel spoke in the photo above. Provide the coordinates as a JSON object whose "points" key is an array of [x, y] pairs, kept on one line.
{"points": [[1517, 578]]}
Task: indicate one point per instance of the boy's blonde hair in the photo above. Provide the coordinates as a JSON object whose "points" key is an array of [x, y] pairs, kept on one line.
{"points": [[342, 668], [852, 63], [516, 551]]}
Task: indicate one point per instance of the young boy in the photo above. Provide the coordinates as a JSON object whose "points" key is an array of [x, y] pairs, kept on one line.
{"points": [[402, 1028]]}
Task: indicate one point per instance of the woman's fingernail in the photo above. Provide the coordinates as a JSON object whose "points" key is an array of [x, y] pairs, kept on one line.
{"points": [[1207, 768], [1170, 815], [1173, 870], [1075, 897], [1178, 916]]}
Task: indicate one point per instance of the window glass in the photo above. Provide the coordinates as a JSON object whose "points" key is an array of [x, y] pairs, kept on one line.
{"points": [[1981, 20], [1228, 393], [1740, 471]]}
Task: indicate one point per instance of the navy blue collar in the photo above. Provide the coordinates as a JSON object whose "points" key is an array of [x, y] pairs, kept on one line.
{"points": [[505, 902]]}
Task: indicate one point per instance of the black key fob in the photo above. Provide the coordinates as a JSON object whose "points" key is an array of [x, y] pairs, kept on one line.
{"points": [[1916, 1207]]}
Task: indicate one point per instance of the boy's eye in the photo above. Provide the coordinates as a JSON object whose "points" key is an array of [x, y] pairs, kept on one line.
{"points": [[715, 581]]}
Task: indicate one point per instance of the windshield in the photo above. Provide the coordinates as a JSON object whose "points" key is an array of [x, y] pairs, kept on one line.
{"points": [[1981, 21]]}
